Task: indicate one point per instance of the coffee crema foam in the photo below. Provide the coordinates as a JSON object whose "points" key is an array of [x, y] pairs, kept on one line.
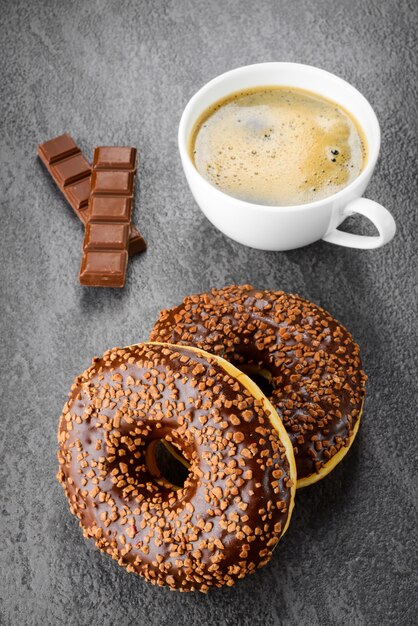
{"points": [[278, 146]]}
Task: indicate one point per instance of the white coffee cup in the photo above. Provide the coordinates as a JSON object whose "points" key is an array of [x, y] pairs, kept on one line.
{"points": [[288, 227]]}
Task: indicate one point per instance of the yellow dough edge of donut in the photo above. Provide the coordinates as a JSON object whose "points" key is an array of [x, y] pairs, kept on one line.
{"points": [[333, 462], [256, 392]]}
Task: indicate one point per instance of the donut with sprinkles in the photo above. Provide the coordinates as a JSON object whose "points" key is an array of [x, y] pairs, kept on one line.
{"points": [[307, 360], [236, 501]]}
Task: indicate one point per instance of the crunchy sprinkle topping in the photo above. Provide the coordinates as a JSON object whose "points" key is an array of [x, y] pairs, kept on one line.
{"points": [[207, 533], [318, 385]]}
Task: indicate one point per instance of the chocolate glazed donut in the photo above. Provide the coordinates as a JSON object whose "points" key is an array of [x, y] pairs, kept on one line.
{"points": [[237, 498], [309, 360]]}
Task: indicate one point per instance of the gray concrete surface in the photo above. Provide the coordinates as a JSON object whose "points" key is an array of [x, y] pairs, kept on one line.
{"points": [[120, 73]]}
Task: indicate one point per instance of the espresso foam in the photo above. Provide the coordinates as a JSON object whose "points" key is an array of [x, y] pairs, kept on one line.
{"points": [[278, 146]]}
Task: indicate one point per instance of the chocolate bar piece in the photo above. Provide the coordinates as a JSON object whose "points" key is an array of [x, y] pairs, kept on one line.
{"points": [[106, 238], [71, 172], [112, 158], [104, 269], [110, 236]]}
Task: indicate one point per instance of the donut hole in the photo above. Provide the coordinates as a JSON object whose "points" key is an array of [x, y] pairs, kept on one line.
{"points": [[260, 375], [166, 464]]}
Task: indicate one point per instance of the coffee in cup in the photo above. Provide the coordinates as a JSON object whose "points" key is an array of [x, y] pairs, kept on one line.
{"points": [[278, 145]]}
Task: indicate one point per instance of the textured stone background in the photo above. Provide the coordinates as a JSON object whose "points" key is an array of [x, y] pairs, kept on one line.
{"points": [[121, 73]]}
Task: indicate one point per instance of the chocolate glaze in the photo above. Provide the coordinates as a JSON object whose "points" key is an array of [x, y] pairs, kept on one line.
{"points": [[318, 382], [236, 500]]}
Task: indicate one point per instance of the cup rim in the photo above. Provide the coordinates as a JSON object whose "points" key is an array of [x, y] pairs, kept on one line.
{"points": [[185, 156]]}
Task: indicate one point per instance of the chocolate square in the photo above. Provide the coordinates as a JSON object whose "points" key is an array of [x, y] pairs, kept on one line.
{"points": [[71, 170], [112, 182], [106, 236], [114, 158], [110, 209], [103, 269]]}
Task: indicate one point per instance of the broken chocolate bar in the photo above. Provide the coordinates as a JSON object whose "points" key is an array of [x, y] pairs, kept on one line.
{"points": [[105, 247], [71, 172]]}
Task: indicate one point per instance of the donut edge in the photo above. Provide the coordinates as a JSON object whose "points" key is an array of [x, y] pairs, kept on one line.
{"points": [[334, 461]]}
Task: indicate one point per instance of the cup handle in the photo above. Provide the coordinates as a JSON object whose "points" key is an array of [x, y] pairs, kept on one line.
{"points": [[377, 214]]}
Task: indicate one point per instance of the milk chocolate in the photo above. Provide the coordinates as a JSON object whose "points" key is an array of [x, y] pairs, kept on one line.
{"points": [[110, 236], [105, 247], [71, 172], [102, 268]]}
